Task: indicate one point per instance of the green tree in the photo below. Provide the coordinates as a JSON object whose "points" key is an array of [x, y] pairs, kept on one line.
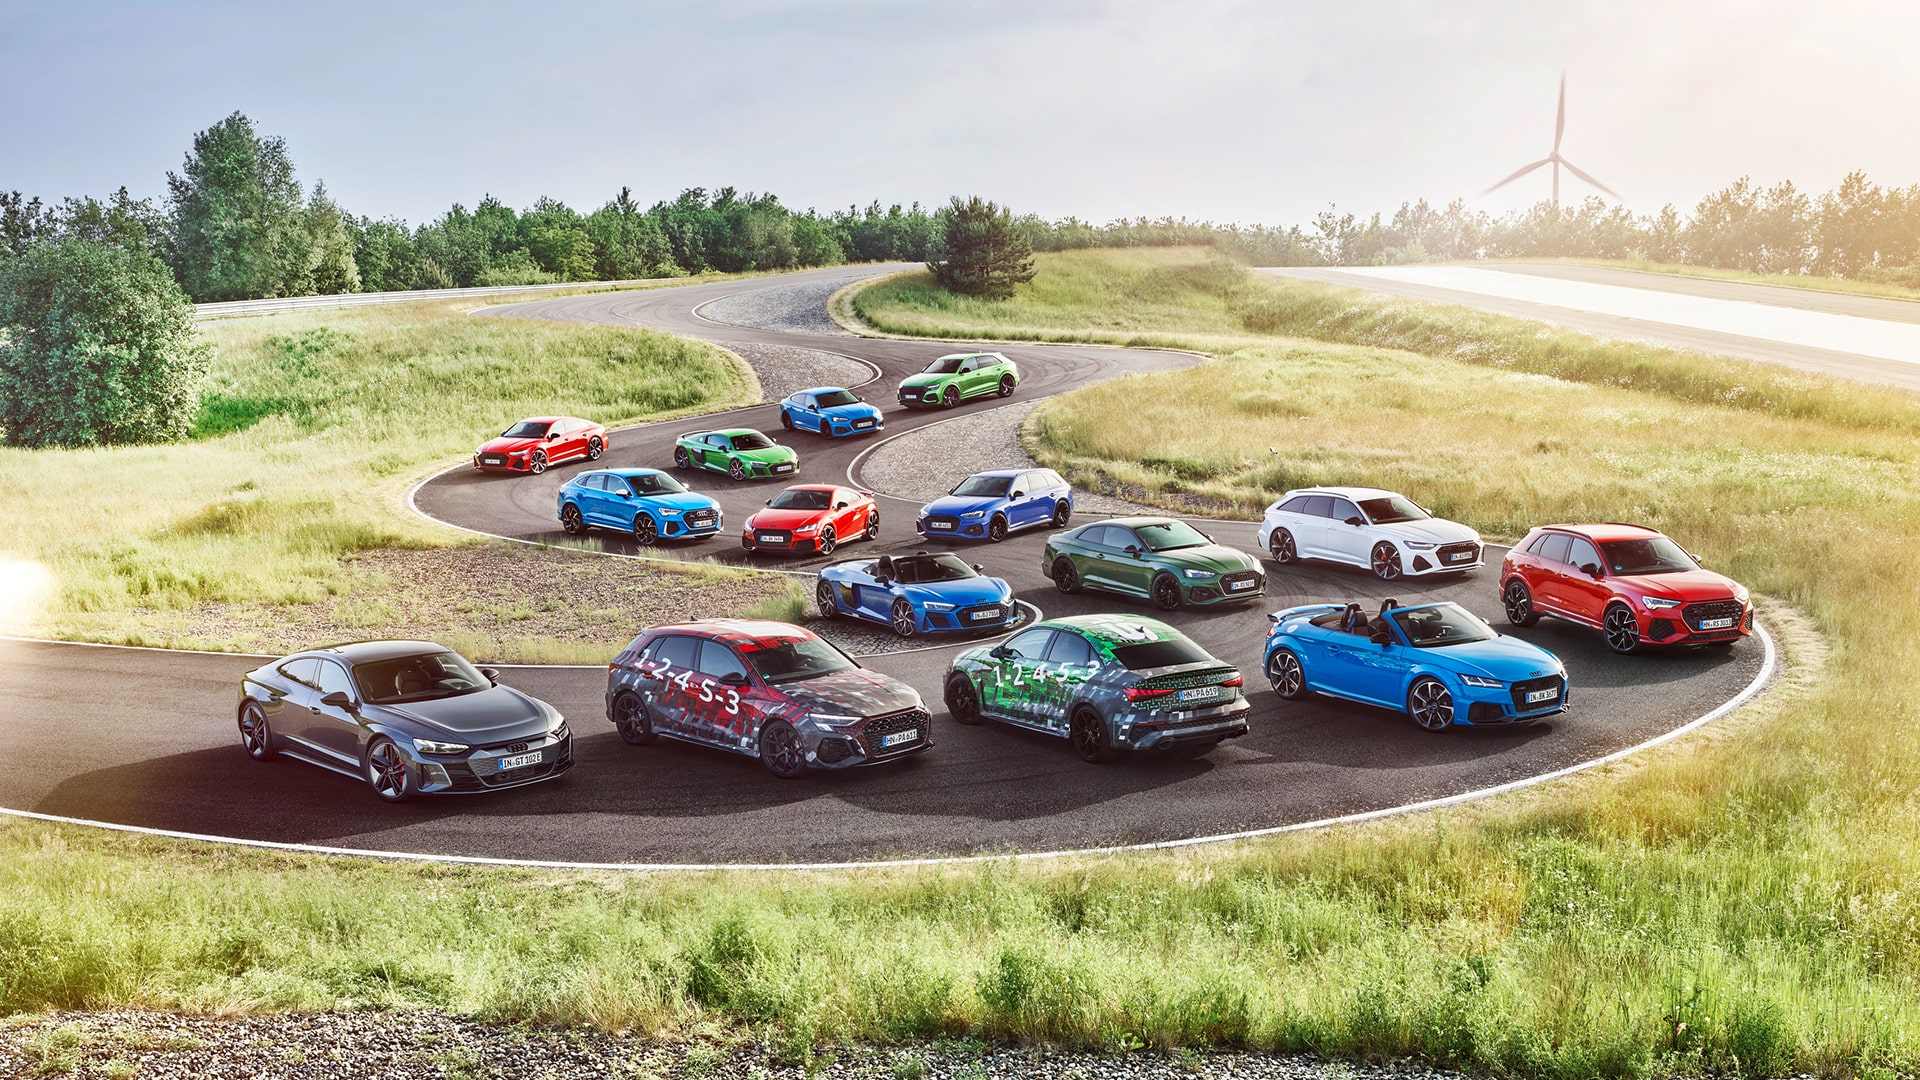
{"points": [[235, 212], [627, 242], [333, 268], [984, 254], [97, 346], [22, 222], [121, 220]]}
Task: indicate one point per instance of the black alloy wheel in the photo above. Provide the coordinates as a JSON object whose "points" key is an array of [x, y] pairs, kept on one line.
{"points": [[736, 470], [1006, 386], [256, 734], [571, 521], [1166, 592], [1385, 561], [903, 618], [386, 771], [782, 751], [963, 701], [1066, 577], [951, 397], [1430, 704], [828, 604], [1062, 513], [997, 529], [1280, 545], [632, 720], [786, 419], [1622, 629], [1088, 733], [645, 532], [595, 448], [826, 544], [1518, 600], [681, 460], [1285, 676], [537, 464]]}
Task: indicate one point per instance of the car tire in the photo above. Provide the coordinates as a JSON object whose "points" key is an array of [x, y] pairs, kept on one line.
{"points": [[736, 470], [873, 524], [786, 419], [1430, 704], [385, 771], [1062, 513], [826, 601], [595, 448], [997, 529], [681, 460], [1621, 629], [950, 398], [1166, 592], [1066, 576], [632, 720], [537, 464], [1281, 546], [826, 542], [1285, 675], [902, 618], [645, 532], [571, 521], [1518, 600], [1087, 730], [963, 701], [256, 733], [782, 751], [1385, 561], [1006, 386]]}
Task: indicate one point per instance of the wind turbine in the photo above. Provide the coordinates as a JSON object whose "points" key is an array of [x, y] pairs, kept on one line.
{"points": [[1554, 159]]}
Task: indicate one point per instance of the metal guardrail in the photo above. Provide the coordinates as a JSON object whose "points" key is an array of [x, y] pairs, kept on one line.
{"points": [[302, 303]]}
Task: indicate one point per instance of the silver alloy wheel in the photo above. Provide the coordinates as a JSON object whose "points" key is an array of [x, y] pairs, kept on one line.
{"points": [[1518, 601], [826, 541], [1386, 561], [571, 521], [1622, 629], [950, 398], [824, 597], [736, 470], [645, 532], [387, 771], [873, 523], [595, 448], [537, 464], [1284, 674], [903, 618], [255, 733], [1430, 704], [681, 459], [1280, 546]]}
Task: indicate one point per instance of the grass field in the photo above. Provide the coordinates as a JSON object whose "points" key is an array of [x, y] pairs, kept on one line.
{"points": [[314, 426]]}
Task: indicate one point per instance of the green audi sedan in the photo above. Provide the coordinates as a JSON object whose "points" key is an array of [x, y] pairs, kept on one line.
{"points": [[1163, 559]]}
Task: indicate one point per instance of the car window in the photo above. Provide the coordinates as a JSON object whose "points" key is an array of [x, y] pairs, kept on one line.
{"points": [[926, 569], [675, 651], [1070, 649], [1319, 506], [1341, 510], [1031, 645], [718, 660], [801, 499], [333, 679], [968, 365], [751, 440], [1653, 555], [525, 429], [1153, 654], [594, 482], [1170, 536], [1297, 505], [1581, 553], [1094, 534], [1054, 479], [836, 397], [801, 658], [982, 487], [422, 677], [649, 483], [300, 671], [1553, 547], [1441, 625], [1392, 509]]}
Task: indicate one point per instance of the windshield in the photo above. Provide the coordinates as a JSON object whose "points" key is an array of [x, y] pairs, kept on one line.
{"points": [[751, 440], [655, 484], [990, 487], [801, 499], [426, 677], [1440, 625], [1155, 654], [946, 365], [837, 397], [526, 429], [806, 658], [1654, 555], [1170, 535], [1391, 509], [925, 569]]}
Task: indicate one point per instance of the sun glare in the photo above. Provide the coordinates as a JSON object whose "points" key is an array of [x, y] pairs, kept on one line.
{"points": [[25, 589]]}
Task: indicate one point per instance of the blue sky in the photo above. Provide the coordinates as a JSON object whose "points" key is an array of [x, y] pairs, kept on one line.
{"points": [[1205, 108]]}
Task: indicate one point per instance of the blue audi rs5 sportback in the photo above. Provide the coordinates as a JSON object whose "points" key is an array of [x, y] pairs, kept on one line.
{"points": [[831, 411]]}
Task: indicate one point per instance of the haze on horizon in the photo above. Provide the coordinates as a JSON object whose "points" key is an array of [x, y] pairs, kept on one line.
{"points": [[1214, 109]]}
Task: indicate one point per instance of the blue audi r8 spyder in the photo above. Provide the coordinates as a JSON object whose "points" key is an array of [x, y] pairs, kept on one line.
{"points": [[831, 411], [916, 594], [1438, 663], [989, 505], [647, 503]]}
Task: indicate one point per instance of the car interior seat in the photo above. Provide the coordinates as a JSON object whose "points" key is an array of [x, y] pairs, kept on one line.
{"points": [[411, 680], [883, 567], [1354, 621]]}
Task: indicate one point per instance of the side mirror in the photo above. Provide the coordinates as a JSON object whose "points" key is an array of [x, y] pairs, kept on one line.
{"points": [[1019, 494], [1273, 617], [883, 582], [769, 502], [839, 506], [623, 493], [1355, 521], [1133, 550], [734, 678], [338, 699], [1381, 637], [1590, 569], [1696, 558], [492, 674], [1000, 652], [978, 569]]}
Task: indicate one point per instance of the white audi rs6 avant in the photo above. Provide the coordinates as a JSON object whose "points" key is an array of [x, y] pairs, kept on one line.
{"points": [[1380, 530]]}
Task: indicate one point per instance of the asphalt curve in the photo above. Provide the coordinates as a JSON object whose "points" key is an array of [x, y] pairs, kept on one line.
{"points": [[147, 738]]}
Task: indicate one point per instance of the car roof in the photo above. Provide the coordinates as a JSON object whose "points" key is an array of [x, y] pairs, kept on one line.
{"points": [[1116, 629], [1354, 493], [1132, 522], [811, 487], [1600, 532], [630, 470], [964, 355], [360, 652], [729, 431], [739, 631], [1001, 472], [822, 390]]}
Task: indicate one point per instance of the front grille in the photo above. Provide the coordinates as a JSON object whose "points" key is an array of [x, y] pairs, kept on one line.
{"points": [[773, 537], [941, 523], [1465, 554], [1695, 614], [1527, 686], [989, 615], [1244, 583], [700, 519], [517, 748], [492, 459], [892, 724], [784, 467]]}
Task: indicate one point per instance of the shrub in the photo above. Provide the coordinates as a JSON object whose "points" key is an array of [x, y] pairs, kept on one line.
{"points": [[985, 253]]}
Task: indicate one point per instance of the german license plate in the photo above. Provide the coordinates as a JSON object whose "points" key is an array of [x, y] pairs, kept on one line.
{"points": [[1716, 624], [782, 468], [519, 761], [492, 461], [769, 538], [940, 526], [863, 423], [983, 616], [899, 737], [1239, 586], [1534, 697], [1200, 693], [1460, 556]]}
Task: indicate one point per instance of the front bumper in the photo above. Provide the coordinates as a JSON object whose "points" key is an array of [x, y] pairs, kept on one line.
{"points": [[680, 529], [1445, 559], [501, 462], [947, 526], [761, 470], [842, 429], [752, 540], [864, 743], [1478, 706], [478, 770], [918, 397], [1166, 729], [1694, 624], [1002, 616], [1222, 590]]}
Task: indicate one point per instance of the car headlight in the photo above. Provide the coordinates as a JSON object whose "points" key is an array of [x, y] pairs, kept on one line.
{"points": [[667, 511], [1483, 682], [931, 605], [1655, 603], [559, 731], [1740, 593], [1202, 574], [974, 514], [428, 746], [833, 719], [1419, 545], [805, 529]]}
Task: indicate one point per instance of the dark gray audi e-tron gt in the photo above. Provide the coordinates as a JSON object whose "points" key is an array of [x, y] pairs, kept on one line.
{"points": [[407, 717]]}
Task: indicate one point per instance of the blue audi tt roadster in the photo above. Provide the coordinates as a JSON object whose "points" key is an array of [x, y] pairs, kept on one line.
{"points": [[916, 594], [1438, 663]]}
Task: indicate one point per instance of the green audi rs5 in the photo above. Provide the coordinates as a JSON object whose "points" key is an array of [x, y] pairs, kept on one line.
{"points": [[1163, 559], [952, 379]]}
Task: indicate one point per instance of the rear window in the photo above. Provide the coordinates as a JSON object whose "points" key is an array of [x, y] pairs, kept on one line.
{"points": [[1553, 547], [1155, 654]]}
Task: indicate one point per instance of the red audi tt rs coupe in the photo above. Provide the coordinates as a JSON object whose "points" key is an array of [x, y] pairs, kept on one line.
{"points": [[531, 445], [1629, 582], [812, 518]]}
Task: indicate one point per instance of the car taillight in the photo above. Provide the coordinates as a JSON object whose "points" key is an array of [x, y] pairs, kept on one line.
{"points": [[1235, 681], [1143, 693]]}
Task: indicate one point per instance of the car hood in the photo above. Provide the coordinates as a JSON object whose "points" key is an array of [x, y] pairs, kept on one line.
{"points": [[859, 692], [1218, 558], [859, 410], [772, 455], [1505, 658], [510, 446], [1687, 586], [925, 378], [966, 591], [770, 518], [960, 504], [492, 715], [679, 500], [1430, 530]]}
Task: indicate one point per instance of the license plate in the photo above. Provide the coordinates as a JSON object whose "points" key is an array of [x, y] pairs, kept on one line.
{"points": [[1239, 586], [492, 461], [940, 526], [1715, 624], [899, 737], [519, 761], [783, 468], [1199, 693], [766, 538], [1534, 697], [1460, 556], [983, 616], [863, 423]]}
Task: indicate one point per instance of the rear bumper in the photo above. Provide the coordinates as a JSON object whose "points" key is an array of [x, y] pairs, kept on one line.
{"points": [[1208, 726]]}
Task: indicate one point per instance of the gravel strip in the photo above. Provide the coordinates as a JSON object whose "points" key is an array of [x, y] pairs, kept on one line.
{"points": [[799, 308], [925, 464], [785, 368], [433, 1046]]}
